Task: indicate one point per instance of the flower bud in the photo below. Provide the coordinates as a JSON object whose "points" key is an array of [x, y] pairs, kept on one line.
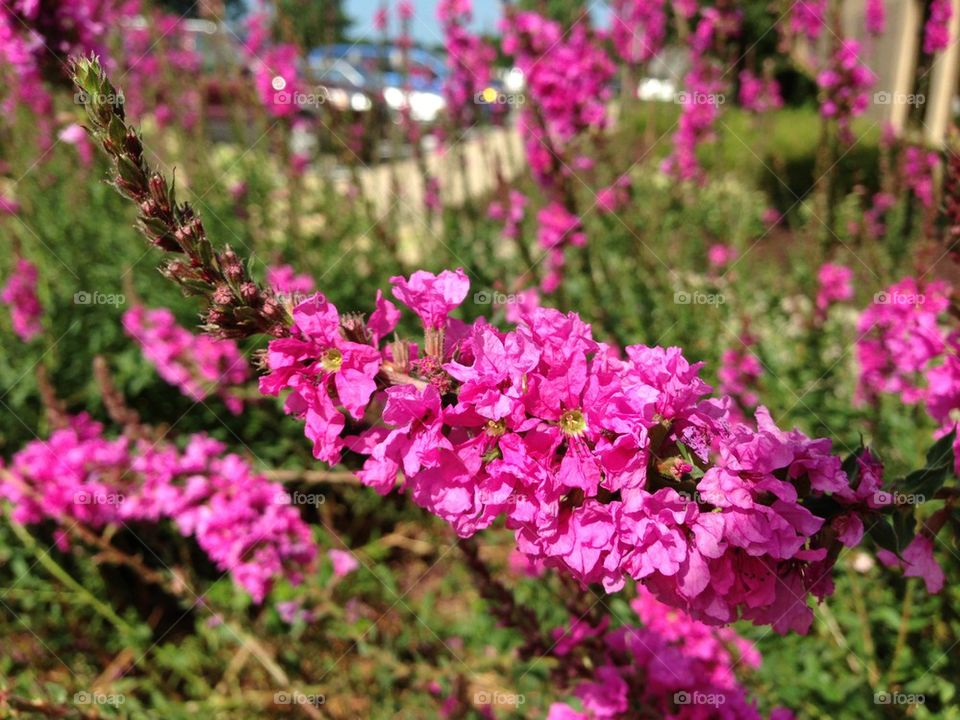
{"points": [[223, 295]]}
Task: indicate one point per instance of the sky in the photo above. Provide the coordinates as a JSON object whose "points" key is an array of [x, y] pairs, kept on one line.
{"points": [[425, 28]]}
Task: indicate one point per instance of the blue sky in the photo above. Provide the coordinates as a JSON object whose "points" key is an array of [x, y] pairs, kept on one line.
{"points": [[425, 28]]}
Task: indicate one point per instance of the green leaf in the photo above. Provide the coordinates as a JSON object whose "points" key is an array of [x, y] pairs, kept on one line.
{"points": [[883, 534], [905, 525], [941, 452], [926, 481]]}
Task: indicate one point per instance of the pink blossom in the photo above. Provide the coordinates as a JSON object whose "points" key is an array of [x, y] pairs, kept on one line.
{"points": [[319, 365], [553, 431], [739, 371], [917, 561], [808, 18], [900, 334], [198, 365], [242, 521], [284, 280], [75, 135], [720, 255], [876, 19], [638, 29], [759, 94], [835, 285], [20, 294], [430, 296], [344, 562], [844, 86], [936, 33], [918, 170]]}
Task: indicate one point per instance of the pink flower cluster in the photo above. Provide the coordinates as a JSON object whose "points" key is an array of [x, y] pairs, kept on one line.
{"points": [[917, 560], [808, 18], [759, 94], [900, 337], [469, 59], [844, 86], [198, 365], [285, 281], [276, 74], [567, 75], [669, 666], [20, 294], [241, 520], [835, 285], [905, 349], [701, 107], [704, 88], [37, 36], [876, 17], [606, 467], [936, 33], [638, 29], [918, 170]]}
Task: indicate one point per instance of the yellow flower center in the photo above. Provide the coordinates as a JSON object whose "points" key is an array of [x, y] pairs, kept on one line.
{"points": [[331, 360], [496, 428], [572, 422]]}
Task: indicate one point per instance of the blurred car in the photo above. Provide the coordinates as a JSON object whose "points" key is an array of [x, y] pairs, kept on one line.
{"points": [[404, 80]]}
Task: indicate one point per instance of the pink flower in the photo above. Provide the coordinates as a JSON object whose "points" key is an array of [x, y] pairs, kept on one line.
{"points": [[638, 29], [759, 94], [835, 285], [720, 255], [284, 280], [198, 365], [936, 33], [20, 294], [242, 521], [430, 296], [344, 562], [844, 86], [583, 450], [918, 170], [876, 20], [917, 561], [75, 135], [808, 17], [900, 335], [319, 365]]}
